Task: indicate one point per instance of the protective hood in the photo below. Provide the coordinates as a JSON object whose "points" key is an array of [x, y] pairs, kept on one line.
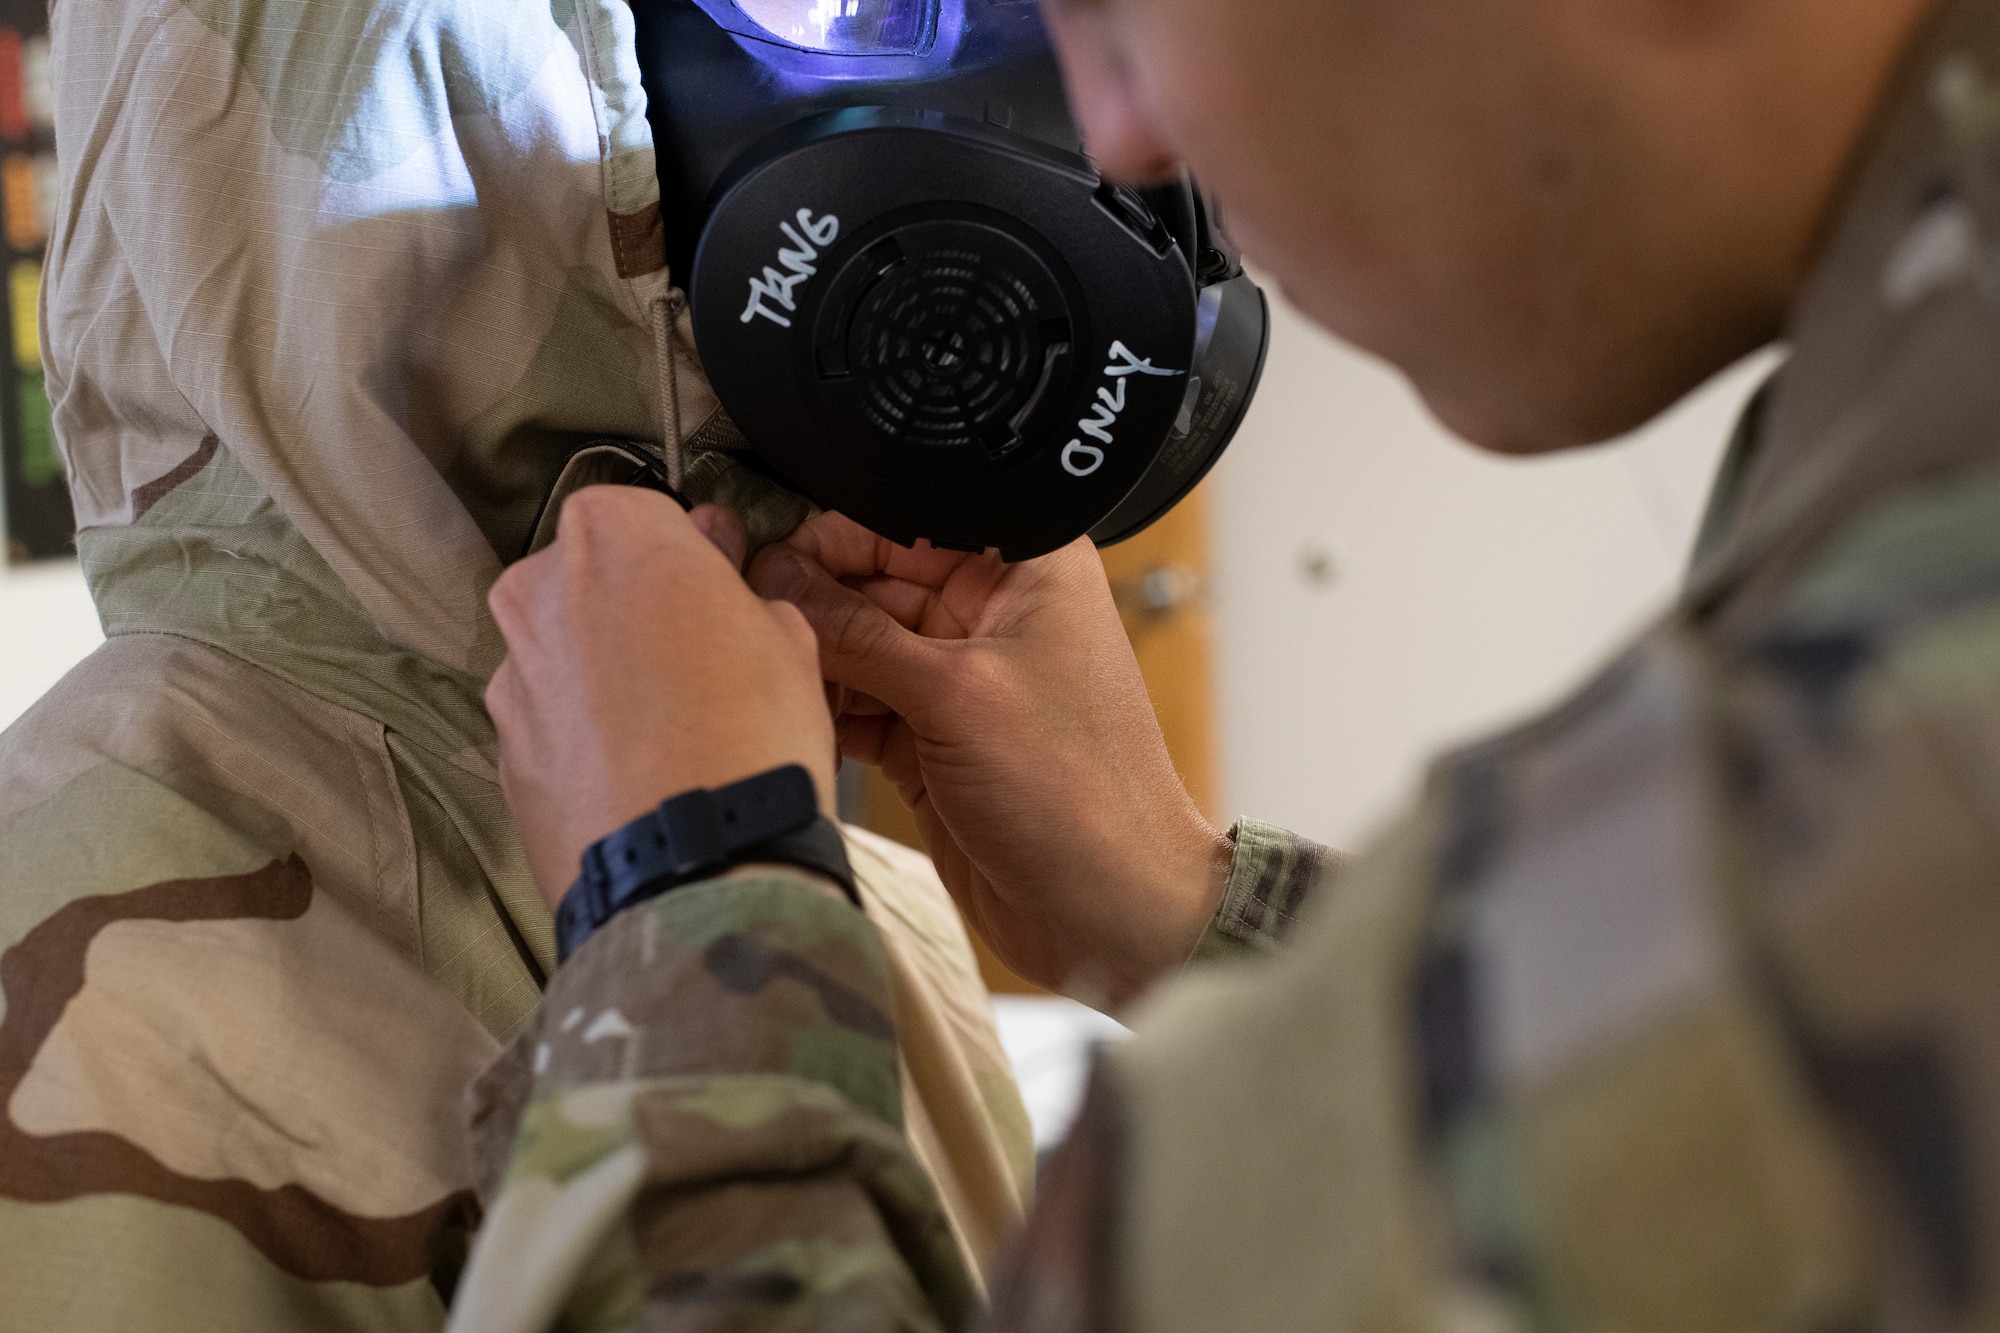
{"points": [[349, 284]]}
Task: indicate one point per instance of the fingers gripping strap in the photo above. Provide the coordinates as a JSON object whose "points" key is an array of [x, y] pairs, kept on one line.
{"points": [[697, 835]]}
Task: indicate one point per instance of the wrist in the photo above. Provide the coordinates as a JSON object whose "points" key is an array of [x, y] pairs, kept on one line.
{"points": [[563, 817], [697, 836], [1176, 905]]}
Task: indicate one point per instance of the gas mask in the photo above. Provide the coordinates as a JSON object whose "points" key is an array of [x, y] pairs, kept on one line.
{"points": [[914, 295]]}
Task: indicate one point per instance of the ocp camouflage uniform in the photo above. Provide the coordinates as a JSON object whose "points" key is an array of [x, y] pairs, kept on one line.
{"points": [[336, 290], [1677, 1008]]}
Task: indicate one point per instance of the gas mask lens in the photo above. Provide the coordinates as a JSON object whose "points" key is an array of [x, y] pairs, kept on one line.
{"points": [[844, 27]]}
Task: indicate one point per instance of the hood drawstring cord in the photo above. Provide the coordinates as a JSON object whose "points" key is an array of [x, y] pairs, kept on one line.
{"points": [[666, 368]]}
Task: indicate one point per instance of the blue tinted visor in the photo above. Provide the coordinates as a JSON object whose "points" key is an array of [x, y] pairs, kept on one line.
{"points": [[839, 27]]}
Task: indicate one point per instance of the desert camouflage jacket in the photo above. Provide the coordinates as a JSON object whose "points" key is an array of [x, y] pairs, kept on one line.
{"points": [[335, 291], [1677, 1008]]}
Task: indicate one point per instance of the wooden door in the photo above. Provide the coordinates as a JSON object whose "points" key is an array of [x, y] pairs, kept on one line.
{"points": [[1160, 579]]}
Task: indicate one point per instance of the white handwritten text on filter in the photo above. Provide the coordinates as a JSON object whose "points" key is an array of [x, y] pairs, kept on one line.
{"points": [[776, 288], [1080, 459]]}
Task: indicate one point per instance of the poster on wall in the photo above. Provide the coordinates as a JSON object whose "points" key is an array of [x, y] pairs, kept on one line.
{"points": [[39, 521]]}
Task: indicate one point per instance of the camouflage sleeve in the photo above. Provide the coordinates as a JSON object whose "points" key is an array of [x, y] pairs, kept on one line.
{"points": [[703, 1129], [1272, 877]]}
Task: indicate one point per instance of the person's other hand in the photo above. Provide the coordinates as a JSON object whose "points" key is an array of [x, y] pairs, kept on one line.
{"points": [[640, 665], [1005, 704]]}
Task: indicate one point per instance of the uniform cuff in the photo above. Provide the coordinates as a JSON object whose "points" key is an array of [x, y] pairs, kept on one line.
{"points": [[1273, 874]]}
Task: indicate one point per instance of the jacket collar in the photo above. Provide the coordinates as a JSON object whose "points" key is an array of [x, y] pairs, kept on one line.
{"points": [[1895, 369]]}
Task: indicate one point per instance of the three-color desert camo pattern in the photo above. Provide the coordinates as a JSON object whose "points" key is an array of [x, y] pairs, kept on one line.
{"points": [[335, 289]]}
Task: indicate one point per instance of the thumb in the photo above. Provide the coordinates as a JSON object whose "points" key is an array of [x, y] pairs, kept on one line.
{"points": [[723, 529], [860, 645]]}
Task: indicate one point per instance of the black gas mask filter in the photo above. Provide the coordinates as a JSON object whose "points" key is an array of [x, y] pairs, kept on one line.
{"points": [[913, 294]]}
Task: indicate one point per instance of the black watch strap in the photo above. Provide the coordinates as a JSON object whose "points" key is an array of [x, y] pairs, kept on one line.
{"points": [[697, 835]]}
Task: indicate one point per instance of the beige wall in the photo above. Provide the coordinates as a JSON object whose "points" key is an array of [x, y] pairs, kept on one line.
{"points": [[1465, 589]]}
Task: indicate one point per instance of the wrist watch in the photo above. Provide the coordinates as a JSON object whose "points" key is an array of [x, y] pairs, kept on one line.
{"points": [[697, 835]]}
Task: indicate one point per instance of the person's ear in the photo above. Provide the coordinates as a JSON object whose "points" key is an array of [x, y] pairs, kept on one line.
{"points": [[1119, 131]]}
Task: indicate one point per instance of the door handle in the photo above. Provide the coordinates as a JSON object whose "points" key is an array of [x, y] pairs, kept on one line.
{"points": [[1157, 594]]}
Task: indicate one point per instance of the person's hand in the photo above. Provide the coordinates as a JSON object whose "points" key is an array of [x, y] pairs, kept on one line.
{"points": [[639, 666], [1006, 706]]}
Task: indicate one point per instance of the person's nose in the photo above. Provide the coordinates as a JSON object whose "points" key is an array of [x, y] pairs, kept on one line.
{"points": [[1118, 128]]}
